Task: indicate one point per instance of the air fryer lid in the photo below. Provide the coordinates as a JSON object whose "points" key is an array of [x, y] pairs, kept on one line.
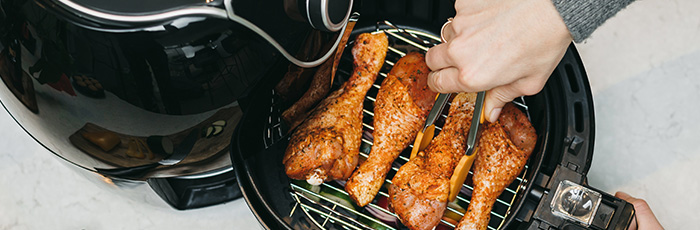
{"points": [[131, 14], [327, 16], [63, 83], [266, 18]]}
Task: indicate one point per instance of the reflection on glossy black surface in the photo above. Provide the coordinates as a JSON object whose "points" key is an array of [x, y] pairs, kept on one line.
{"points": [[137, 6], [65, 83], [187, 71]]}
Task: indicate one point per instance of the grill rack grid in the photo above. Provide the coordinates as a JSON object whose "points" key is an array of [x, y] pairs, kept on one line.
{"points": [[327, 213]]}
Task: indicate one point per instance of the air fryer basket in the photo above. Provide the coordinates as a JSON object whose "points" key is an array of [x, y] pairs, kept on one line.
{"points": [[562, 114]]}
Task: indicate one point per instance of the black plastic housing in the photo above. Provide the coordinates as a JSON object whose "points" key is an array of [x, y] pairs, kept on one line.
{"points": [[163, 78], [192, 193]]}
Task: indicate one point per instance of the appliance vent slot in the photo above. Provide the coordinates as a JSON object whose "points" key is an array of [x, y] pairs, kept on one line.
{"points": [[571, 75], [578, 116]]}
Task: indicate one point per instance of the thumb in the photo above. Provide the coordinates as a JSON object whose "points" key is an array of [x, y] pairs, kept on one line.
{"points": [[496, 98]]}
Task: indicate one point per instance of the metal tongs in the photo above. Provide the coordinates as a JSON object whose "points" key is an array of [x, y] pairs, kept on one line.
{"points": [[465, 163], [424, 137], [426, 134]]}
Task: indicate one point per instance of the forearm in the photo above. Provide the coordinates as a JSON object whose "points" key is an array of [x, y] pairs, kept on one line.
{"points": [[582, 17]]}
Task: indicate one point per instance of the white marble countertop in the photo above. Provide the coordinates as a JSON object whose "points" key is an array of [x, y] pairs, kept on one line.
{"points": [[644, 68]]}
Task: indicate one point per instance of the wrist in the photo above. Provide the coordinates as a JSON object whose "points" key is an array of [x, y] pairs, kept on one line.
{"points": [[582, 17]]}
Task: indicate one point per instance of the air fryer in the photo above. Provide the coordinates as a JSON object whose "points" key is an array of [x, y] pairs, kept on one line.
{"points": [[551, 193], [120, 84]]}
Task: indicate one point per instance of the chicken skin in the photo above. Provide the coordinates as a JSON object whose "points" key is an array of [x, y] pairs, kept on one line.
{"points": [[504, 148], [403, 103], [326, 146], [420, 189]]}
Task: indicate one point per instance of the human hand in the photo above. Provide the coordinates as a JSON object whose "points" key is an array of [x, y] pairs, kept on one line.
{"points": [[508, 47], [646, 220]]}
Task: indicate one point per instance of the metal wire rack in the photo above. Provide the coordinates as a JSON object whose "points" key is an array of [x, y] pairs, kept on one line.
{"points": [[322, 204]]}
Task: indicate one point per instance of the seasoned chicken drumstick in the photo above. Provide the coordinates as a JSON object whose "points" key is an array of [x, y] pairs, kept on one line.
{"points": [[326, 146], [403, 102], [420, 188], [320, 84], [504, 148]]}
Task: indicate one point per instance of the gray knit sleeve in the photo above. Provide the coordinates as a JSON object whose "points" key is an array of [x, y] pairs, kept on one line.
{"points": [[582, 17]]}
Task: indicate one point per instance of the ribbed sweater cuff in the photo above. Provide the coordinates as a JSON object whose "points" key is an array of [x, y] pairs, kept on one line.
{"points": [[582, 17]]}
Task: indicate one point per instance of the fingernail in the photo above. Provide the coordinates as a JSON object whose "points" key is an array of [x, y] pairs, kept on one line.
{"points": [[493, 116]]}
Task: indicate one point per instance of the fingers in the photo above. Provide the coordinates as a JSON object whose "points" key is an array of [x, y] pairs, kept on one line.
{"points": [[452, 79], [448, 80], [438, 57], [645, 218], [445, 80]]}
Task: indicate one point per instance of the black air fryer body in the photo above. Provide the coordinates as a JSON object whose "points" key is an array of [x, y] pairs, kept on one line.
{"points": [[562, 114], [139, 72]]}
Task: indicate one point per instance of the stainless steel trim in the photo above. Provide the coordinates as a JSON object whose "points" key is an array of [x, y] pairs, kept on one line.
{"points": [[211, 173], [189, 11], [326, 17], [308, 15]]}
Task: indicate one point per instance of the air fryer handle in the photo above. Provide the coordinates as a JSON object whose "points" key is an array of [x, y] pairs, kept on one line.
{"points": [[628, 215], [608, 213], [613, 213], [623, 217]]}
